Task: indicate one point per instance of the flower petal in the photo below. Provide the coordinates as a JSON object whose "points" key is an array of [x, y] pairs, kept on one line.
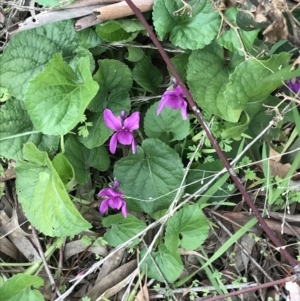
{"points": [[104, 206], [133, 144], [162, 104], [116, 184], [124, 210], [115, 203], [184, 110], [113, 122], [173, 99], [106, 192], [125, 137], [294, 84], [132, 122], [113, 143], [178, 91], [110, 193]]}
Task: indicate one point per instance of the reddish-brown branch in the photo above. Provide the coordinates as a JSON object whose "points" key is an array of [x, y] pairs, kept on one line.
{"points": [[247, 290], [292, 261]]}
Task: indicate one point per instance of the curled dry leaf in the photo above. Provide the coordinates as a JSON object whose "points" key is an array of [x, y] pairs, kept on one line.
{"points": [[278, 29], [296, 63], [77, 246]]}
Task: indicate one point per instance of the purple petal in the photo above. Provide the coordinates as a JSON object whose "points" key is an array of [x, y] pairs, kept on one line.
{"points": [[178, 91], [161, 105], [104, 206], [113, 143], [132, 122], [184, 110], [115, 203], [125, 137], [106, 192], [116, 184], [133, 144], [110, 193], [124, 210], [113, 122], [294, 84]]}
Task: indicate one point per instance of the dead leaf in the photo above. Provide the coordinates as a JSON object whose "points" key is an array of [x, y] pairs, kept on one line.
{"points": [[277, 30], [143, 294], [277, 168], [294, 291], [77, 246], [296, 63], [111, 279]]}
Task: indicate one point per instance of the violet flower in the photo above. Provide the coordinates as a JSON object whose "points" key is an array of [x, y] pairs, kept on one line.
{"points": [[123, 128], [113, 199], [173, 99], [294, 84]]}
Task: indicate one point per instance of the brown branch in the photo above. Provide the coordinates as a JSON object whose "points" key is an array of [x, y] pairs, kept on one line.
{"points": [[292, 261], [249, 289]]}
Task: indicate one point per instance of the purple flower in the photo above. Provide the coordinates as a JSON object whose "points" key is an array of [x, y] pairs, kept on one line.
{"points": [[173, 99], [113, 199], [294, 84], [123, 128]]}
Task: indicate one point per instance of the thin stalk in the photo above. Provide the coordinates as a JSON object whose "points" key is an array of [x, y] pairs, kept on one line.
{"points": [[292, 261]]}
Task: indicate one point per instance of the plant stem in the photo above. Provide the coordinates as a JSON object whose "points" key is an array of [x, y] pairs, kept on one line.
{"points": [[292, 261]]}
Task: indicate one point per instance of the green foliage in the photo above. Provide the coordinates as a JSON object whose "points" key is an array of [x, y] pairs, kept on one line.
{"points": [[60, 96], [119, 30], [18, 64], [167, 125], [122, 229], [187, 32], [167, 264], [147, 75], [16, 131], [44, 197], [82, 158], [22, 287], [56, 84], [188, 229], [150, 178]]}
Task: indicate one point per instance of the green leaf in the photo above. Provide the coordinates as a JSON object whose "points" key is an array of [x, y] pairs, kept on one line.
{"points": [[249, 83], [166, 123], [48, 3], [98, 133], [63, 168], [88, 38], [134, 54], [14, 122], [28, 52], [150, 178], [147, 75], [188, 228], [82, 158], [82, 53], [180, 62], [112, 75], [235, 130], [122, 229], [121, 30], [208, 87], [57, 98], [200, 175], [229, 38], [168, 262], [187, 32], [22, 287], [44, 198]]}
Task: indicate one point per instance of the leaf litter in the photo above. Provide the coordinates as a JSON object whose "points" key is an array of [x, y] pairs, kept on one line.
{"points": [[241, 260]]}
